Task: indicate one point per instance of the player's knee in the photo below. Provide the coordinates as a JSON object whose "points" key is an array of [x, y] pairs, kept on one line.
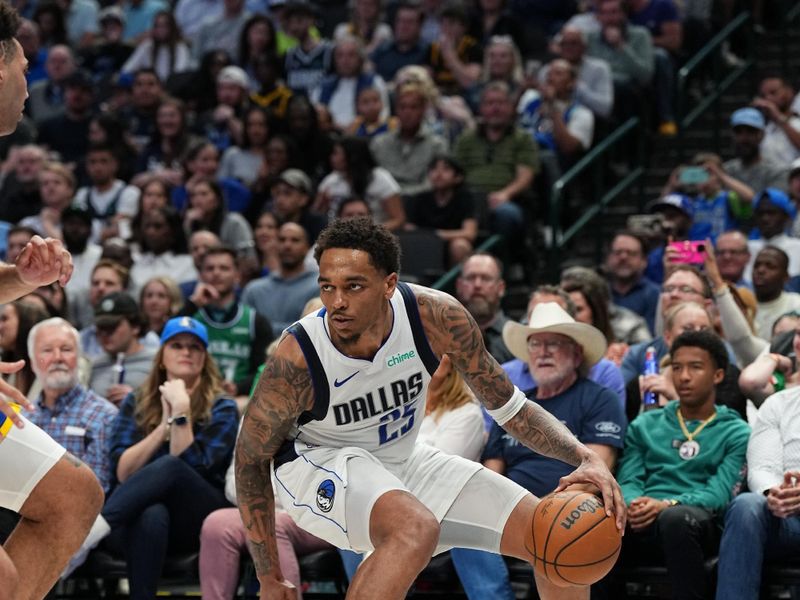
{"points": [[90, 492], [421, 536]]}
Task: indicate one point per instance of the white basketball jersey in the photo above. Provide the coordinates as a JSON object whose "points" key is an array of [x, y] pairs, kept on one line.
{"points": [[376, 404]]}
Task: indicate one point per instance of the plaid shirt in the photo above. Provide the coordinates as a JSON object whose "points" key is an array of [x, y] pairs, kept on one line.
{"points": [[209, 454], [80, 421]]}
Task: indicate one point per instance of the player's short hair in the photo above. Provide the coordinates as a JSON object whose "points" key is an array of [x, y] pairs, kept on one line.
{"points": [[363, 234], [706, 340], [9, 23]]}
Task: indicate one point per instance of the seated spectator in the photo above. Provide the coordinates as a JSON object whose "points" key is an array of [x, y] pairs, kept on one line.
{"points": [[170, 446], [480, 288], [256, 39], [76, 417], [161, 249], [769, 277], [67, 133], [625, 264], [406, 47], [30, 40], [18, 237], [106, 129], [163, 50], [199, 243], [265, 234], [139, 117], [238, 335], [493, 19], [221, 31], [501, 62], [407, 152], [222, 124], [281, 295], [365, 23], [781, 143], [774, 213], [20, 189], [594, 86], [292, 194], [155, 193], [680, 466], [605, 373], [271, 92], [56, 189], [749, 165], [76, 230], [108, 199], [160, 300], [554, 118], [733, 256], [371, 118], [16, 320], [105, 57], [355, 173], [107, 276], [628, 50], [762, 521], [50, 18], [500, 161], [125, 363], [46, 96], [683, 284], [455, 57], [242, 162], [169, 143], [339, 90], [677, 216], [448, 209], [302, 126], [308, 62], [202, 163], [206, 210], [683, 317]]}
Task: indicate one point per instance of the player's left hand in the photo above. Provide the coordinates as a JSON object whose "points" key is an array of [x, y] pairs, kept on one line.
{"points": [[594, 470], [8, 394], [42, 262]]}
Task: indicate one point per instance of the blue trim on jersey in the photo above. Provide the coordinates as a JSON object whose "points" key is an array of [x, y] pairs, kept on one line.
{"points": [[311, 508], [322, 391], [417, 330]]}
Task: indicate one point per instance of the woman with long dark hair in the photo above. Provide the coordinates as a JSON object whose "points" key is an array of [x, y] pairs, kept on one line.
{"points": [[245, 161], [354, 172], [16, 320], [170, 142], [257, 38], [161, 249], [170, 446], [107, 129], [164, 51]]}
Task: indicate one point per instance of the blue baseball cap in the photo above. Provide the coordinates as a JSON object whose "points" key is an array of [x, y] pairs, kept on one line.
{"points": [[749, 117], [184, 325], [778, 199], [680, 201]]}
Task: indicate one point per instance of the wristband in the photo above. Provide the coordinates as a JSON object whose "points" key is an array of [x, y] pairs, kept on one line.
{"points": [[512, 406]]}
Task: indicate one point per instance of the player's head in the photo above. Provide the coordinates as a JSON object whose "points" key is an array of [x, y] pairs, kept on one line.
{"points": [[13, 86], [358, 265]]}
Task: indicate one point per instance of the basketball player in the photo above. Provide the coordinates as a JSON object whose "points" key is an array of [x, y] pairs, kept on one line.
{"points": [[336, 413], [56, 495]]}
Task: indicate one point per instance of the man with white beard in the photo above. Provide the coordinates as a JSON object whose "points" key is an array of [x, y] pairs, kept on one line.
{"points": [[71, 414]]}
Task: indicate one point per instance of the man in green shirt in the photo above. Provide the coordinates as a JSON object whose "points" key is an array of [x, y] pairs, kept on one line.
{"points": [[681, 466], [500, 161]]}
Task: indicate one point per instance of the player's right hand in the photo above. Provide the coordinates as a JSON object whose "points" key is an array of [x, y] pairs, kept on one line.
{"points": [[8, 394], [275, 589]]}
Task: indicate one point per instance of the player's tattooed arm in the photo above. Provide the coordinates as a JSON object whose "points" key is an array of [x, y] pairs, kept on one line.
{"points": [[452, 330], [283, 392]]}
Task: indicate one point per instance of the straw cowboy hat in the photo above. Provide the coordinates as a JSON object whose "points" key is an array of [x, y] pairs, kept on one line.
{"points": [[549, 317]]}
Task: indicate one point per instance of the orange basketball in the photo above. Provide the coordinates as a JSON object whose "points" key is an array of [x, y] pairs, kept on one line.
{"points": [[572, 540]]}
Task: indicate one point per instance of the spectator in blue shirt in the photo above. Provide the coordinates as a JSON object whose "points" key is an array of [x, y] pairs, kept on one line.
{"points": [[407, 47], [170, 447], [625, 265]]}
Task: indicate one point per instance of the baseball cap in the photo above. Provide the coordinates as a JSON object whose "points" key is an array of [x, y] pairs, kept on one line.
{"points": [[113, 308], [233, 74], [749, 117], [679, 201], [111, 13], [296, 179], [80, 78], [778, 199], [179, 325]]}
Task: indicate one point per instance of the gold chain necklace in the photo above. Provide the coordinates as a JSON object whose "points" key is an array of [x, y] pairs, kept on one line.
{"points": [[691, 448]]}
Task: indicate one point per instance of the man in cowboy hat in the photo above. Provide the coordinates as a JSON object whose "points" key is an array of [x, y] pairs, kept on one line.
{"points": [[559, 352]]}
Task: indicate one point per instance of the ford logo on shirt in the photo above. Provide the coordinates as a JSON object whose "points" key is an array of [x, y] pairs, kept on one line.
{"points": [[607, 427]]}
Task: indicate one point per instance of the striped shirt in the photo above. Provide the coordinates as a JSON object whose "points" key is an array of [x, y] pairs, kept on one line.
{"points": [[80, 420]]}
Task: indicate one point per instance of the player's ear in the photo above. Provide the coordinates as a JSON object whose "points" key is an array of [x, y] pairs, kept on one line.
{"points": [[390, 283]]}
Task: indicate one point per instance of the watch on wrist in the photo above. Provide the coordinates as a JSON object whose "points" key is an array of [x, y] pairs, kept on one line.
{"points": [[672, 502], [180, 419]]}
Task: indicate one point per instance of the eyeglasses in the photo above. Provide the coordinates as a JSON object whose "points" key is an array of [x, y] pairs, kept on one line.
{"points": [[683, 289], [535, 345]]}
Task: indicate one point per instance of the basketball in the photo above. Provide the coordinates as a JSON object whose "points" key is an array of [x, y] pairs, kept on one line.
{"points": [[572, 540]]}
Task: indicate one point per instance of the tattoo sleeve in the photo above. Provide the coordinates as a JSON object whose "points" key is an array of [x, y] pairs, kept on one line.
{"points": [[452, 330], [282, 394]]}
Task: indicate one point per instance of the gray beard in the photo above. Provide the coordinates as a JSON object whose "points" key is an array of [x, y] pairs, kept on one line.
{"points": [[60, 380]]}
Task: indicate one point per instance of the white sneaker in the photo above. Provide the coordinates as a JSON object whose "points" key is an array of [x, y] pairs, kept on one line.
{"points": [[100, 529]]}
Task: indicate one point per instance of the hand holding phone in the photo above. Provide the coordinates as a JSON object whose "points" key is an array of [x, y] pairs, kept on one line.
{"points": [[686, 252]]}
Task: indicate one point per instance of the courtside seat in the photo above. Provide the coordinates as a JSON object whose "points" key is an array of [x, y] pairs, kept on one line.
{"points": [[785, 572], [655, 579]]}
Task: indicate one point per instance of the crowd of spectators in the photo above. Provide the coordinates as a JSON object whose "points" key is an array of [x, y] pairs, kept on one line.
{"points": [[189, 153]]}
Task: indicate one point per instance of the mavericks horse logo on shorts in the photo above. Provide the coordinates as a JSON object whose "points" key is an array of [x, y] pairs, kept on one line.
{"points": [[325, 494]]}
